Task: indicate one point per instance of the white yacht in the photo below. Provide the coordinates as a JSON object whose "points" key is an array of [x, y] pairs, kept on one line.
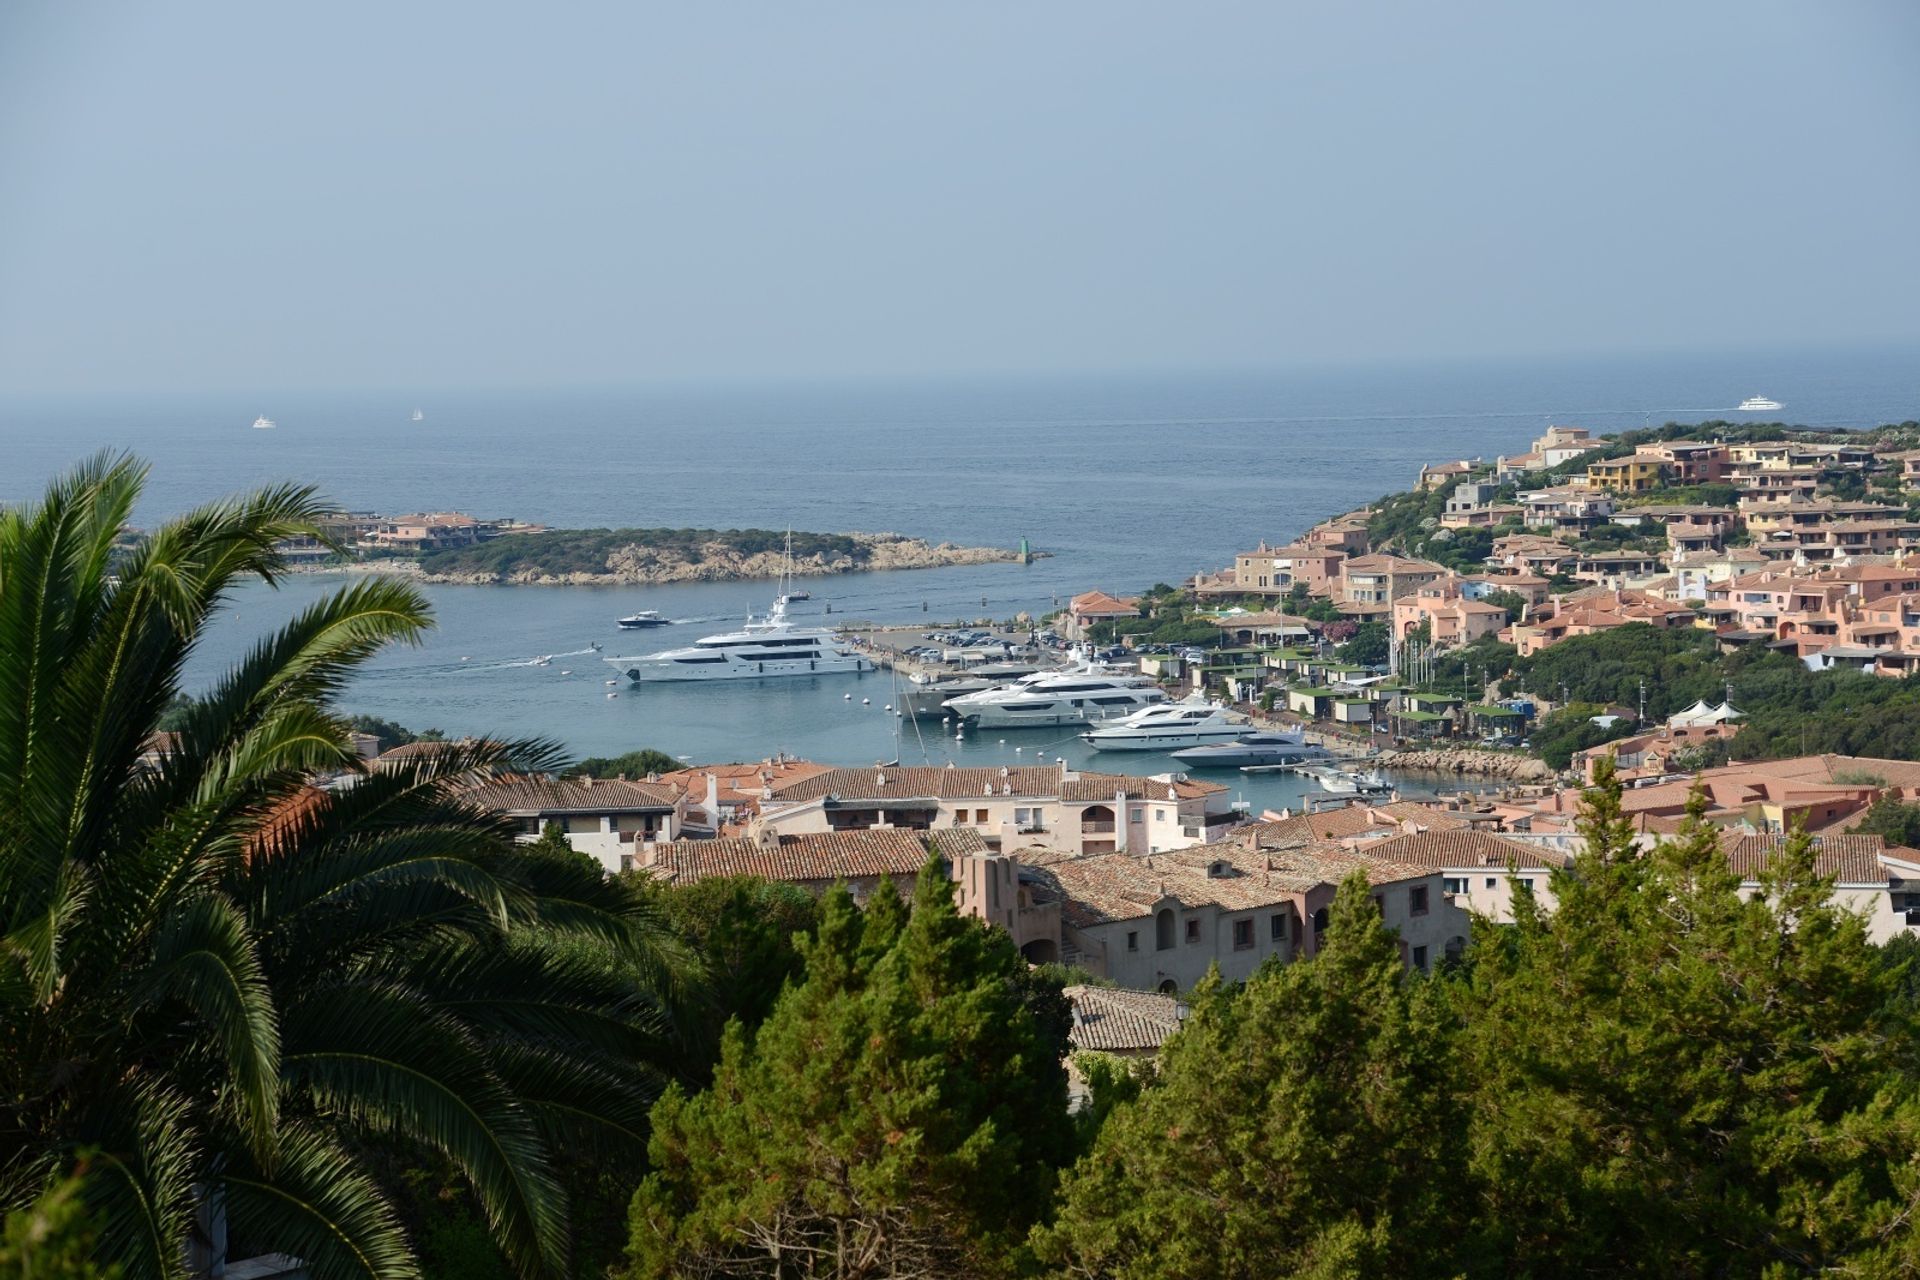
{"points": [[1759, 404], [641, 621], [419, 416], [1087, 695], [763, 648], [1169, 726], [264, 423]]}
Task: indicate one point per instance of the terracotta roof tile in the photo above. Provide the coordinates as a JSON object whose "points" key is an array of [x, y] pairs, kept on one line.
{"points": [[1463, 848], [1107, 1018], [833, 855], [549, 795]]}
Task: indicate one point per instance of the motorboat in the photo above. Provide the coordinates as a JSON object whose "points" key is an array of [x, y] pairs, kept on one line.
{"points": [[762, 648], [264, 423], [926, 696], [641, 621], [1087, 694], [1759, 404], [1262, 750], [1167, 726]]}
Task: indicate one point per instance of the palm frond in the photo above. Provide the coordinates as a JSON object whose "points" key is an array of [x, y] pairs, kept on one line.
{"points": [[392, 1061], [203, 959], [319, 1205]]}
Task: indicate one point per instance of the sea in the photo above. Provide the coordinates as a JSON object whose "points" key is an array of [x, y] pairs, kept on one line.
{"points": [[1122, 480]]}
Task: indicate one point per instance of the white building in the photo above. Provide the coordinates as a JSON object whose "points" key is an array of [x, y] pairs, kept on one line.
{"points": [[604, 819]]}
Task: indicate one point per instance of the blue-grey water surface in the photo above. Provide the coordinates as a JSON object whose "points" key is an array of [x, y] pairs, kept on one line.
{"points": [[1124, 480]]}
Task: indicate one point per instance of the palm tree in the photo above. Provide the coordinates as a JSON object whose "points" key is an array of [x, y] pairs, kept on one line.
{"points": [[219, 983]]}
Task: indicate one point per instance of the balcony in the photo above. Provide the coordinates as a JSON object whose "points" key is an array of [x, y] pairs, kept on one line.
{"points": [[1096, 828]]}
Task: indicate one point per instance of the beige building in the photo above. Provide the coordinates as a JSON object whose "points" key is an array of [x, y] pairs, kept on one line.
{"points": [[1382, 578], [1278, 570], [1037, 806], [1161, 922], [1480, 871]]}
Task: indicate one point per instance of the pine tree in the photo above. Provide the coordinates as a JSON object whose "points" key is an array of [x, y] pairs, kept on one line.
{"points": [[1672, 1080], [1300, 1126], [899, 1113]]}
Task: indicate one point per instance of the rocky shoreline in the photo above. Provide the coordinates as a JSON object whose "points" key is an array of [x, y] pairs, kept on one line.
{"points": [[637, 565], [1468, 762]]}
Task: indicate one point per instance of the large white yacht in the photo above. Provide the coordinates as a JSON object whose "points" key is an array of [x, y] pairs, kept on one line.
{"points": [[1168, 726], [1759, 404], [1086, 695], [763, 648]]}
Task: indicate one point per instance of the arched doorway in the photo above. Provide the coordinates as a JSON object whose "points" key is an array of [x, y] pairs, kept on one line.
{"points": [[1169, 987], [1041, 951], [1163, 930]]}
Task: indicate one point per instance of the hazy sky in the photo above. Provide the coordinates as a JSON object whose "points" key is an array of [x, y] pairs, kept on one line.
{"points": [[239, 195]]}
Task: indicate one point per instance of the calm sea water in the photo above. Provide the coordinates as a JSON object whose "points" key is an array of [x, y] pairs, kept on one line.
{"points": [[1125, 480]]}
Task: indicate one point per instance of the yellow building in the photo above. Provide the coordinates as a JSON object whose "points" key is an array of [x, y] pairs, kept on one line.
{"points": [[1625, 475]]}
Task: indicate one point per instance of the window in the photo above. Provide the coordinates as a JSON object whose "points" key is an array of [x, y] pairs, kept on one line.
{"points": [[959, 817], [980, 817], [1138, 815], [1163, 930], [1417, 900], [1277, 928], [1420, 959], [1492, 882], [1159, 815], [1526, 882], [1380, 903], [1193, 930], [1454, 884], [1242, 935], [1133, 940]]}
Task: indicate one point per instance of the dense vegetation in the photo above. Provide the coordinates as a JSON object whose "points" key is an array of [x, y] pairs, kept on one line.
{"points": [[224, 987], [633, 765], [1661, 1078], [902, 1111], [563, 551]]}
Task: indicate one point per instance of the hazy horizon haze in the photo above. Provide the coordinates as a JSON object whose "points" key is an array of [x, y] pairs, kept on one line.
{"points": [[218, 195]]}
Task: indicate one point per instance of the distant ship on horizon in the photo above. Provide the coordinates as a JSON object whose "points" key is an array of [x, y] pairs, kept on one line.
{"points": [[264, 423], [1758, 404], [419, 416]]}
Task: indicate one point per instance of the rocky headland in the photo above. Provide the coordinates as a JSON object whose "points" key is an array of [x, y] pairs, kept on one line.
{"points": [[604, 558]]}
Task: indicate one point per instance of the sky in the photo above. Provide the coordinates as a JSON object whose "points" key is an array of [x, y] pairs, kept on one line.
{"points": [[208, 195]]}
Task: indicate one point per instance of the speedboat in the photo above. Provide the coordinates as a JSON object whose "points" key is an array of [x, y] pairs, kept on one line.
{"points": [[763, 648], [1086, 695], [1758, 404], [641, 621], [1261, 750], [264, 423], [1190, 722]]}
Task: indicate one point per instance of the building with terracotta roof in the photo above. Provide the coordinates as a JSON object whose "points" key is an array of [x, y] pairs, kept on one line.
{"points": [[722, 798], [1161, 922], [1589, 613], [1451, 617], [1870, 877], [1044, 806], [1276, 571], [1381, 578], [1480, 871], [988, 885], [606, 819], [1091, 607], [1127, 1024]]}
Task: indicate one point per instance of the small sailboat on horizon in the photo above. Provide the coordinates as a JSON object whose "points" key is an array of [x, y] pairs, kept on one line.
{"points": [[264, 423], [419, 416]]}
